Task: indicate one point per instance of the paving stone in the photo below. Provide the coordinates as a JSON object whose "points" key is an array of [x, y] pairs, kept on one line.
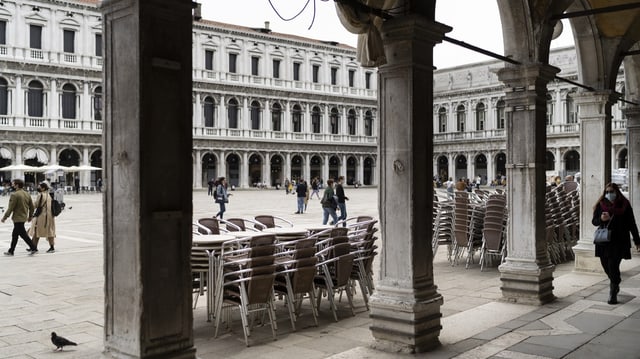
{"points": [[593, 323], [491, 333], [535, 349]]}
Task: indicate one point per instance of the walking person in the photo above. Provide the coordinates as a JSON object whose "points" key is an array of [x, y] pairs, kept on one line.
{"points": [[76, 184], [315, 186], [211, 185], [329, 204], [43, 223], [20, 209], [614, 211], [222, 197], [301, 190], [341, 200]]}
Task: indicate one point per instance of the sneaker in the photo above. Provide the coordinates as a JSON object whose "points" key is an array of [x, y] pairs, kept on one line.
{"points": [[8, 253], [51, 250], [33, 252]]}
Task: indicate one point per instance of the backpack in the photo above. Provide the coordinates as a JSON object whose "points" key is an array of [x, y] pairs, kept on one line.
{"points": [[56, 207]]}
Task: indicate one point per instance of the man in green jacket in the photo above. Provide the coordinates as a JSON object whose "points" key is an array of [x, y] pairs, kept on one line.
{"points": [[21, 210]]}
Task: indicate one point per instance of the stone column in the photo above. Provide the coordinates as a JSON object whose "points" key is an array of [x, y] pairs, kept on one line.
{"points": [[197, 170], [527, 274], [221, 165], [306, 168], [325, 167], [286, 167], [360, 169], [595, 166], [147, 229], [633, 134], [452, 166], [244, 181], [405, 308]]}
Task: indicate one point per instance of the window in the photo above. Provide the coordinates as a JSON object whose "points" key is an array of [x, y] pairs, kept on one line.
{"points": [[3, 32], [442, 120], [97, 104], [232, 63], [351, 122], [255, 62], [276, 117], [69, 101], [4, 97], [367, 80], [461, 118], [334, 75], [99, 45], [352, 76], [35, 99], [296, 118], [276, 69], [334, 121], [296, 71], [315, 73], [315, 119], [480, 117], [255, 115], [368, 124], [500, 115], [69, 41], [209, 110], [35, 37], [232, 111], [549, 110], [572, 110], [208, 60]]}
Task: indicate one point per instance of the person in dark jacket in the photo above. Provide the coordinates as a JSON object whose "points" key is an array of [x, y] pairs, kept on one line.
{"points": [[614, 211], [341, 200]]}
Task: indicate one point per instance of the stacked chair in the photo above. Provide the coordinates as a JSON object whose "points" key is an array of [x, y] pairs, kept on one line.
{"points": [[442, 226], [494, 229], [335, 263], [562, 217], [467, 221]]}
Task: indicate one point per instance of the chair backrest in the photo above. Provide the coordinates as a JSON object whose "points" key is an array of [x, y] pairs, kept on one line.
{"points": [[238, 222], [492, 238], [266, 220], [211, 223]]}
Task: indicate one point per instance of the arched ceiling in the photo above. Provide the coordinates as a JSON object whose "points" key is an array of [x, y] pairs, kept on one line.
{"points": [[616, 24]]}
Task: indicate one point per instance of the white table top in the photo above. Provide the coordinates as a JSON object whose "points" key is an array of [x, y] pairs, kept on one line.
{"points": [[208, 239], [242, 234], [287, 231]]}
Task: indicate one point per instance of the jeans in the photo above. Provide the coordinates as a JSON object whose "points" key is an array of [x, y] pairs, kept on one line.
{"points": [[223, 208], [343, 212], [326, 211], [611, 266], [19, 231], [301, 204]]}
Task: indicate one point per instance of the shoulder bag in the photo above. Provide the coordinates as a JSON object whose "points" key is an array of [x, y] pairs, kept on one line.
{"points": [[602, 235]]}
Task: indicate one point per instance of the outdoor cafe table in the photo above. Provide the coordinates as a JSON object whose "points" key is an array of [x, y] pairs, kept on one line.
{"points": [[211, 241], [287, 233]]}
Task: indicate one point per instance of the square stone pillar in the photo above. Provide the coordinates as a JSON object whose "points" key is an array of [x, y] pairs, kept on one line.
{"points": [[405, 307], [632, 114], [148, 177], [594, 114], [527, 274]]}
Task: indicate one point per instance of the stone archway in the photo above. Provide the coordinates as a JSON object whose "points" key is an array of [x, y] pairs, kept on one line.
{"points": [[209, 165], [233, 170], [255, 170], [276, 173]]}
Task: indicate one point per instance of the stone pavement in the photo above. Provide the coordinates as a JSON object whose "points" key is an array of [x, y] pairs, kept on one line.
{"points": [[63, 292]]}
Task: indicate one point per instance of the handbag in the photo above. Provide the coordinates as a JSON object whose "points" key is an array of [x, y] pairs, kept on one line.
{"points": [[37, 212], [602, 235]]}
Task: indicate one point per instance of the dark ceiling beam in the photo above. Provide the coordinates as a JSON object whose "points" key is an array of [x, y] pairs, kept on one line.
{"points": [[615, 8], [631, 53]]}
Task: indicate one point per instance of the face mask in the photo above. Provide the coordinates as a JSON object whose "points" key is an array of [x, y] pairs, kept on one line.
{"points": [[610, 196]]}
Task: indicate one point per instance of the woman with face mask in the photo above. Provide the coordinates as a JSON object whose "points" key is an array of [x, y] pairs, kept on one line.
{"points": [[614, 211]]}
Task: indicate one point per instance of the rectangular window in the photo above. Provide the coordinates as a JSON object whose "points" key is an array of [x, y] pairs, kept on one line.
{"points": [[352, 76], [35, 37], [334, 75], [69, 41], [276, 69], [208, 60], [232, 63], [3, 32], [367, 80], [255, 62], [99, 45], [315, 73], [296, 71], [480, 120]]}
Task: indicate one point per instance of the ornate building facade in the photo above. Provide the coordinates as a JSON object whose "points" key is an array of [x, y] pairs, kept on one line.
{"points": [[266, 106], [469, 121]]}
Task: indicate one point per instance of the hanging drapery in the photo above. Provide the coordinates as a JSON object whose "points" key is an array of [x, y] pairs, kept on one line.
{"points": [[36, 153], [370, 50], [5, 153]]}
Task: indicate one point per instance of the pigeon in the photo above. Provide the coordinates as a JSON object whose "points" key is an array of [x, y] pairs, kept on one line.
{"points": [[60, 342]]}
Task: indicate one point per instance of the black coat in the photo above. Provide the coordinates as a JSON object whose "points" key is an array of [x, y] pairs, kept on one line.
{"points": [[621, 226]]}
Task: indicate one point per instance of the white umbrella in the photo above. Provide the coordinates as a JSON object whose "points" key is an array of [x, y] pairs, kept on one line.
{"points": [[83, 168], [19, 168], [52, 168]]}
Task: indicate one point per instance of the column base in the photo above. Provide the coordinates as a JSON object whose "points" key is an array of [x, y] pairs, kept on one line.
{"points": [[402, 324], [527, 282], [185, 354], [585, 259]]}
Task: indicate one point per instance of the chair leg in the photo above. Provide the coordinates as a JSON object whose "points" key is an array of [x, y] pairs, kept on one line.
{"points": [[314, 310]]}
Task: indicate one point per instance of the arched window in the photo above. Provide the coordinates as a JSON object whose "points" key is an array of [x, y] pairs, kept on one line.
{"points": [[276, 117], [351, 122], [461, 117], [209, 110], [97, 104], [68, 101], [442, 120], [480, 117], [500, 114], [4, 97], [255, 115], [232, 113], [35, 99], [549, 110], [572, 110], [368, 124], [334, 121], [296, 118], [315, 119]]}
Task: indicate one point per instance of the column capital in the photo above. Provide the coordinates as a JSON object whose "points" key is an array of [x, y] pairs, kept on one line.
{"points": [[632, 113], [518, 76], [594, 97]]}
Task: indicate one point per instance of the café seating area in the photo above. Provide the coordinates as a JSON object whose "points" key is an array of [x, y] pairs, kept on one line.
{"points": [[250, 268]]}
